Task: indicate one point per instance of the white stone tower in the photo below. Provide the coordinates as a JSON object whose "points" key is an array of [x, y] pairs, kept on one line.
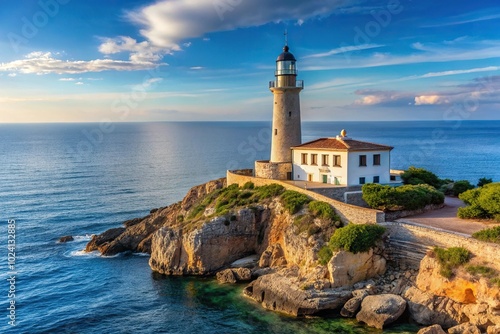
{"points": [[286, 131]]}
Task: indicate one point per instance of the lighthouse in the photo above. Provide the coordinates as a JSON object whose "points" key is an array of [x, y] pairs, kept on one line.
{"points": [[286, 132]]}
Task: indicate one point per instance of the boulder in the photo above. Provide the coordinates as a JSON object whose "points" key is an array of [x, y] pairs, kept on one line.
{"points": [[380, 310], [273, 256], [465, 328], [434, 329], [66, 238], [352, 306], [234, 275], [347, 268], [283, 293], [104, 238]]}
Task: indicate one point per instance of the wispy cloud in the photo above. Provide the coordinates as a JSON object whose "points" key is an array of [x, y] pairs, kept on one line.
{"points": [[344, 49], [46, 63], [483, 15]]}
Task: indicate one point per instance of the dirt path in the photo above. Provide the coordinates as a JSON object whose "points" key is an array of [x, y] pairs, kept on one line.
{"points": [[446, 218]]}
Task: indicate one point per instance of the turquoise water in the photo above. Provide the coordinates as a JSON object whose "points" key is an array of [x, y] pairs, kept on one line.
{"points": [[71, 179]]}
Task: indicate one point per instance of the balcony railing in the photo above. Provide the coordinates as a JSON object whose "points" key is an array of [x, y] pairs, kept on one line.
{"points": [[298, 84]]}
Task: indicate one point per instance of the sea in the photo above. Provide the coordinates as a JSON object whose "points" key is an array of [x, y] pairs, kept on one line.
{"points": [[82, 179]]}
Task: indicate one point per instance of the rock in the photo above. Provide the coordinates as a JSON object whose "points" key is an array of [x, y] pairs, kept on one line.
{"points": [[197, 192], [465, 328], [281, 292], [493, 329], [347, 268], [273, 256], [350, 308], [66, 238], [242, 274], [427, 309], [246, 262], [434, 329], [98, 241], [226, 276], [380, 310]]}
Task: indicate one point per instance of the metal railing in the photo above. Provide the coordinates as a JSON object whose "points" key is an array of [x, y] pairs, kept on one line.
{"points": [[298, 84]]}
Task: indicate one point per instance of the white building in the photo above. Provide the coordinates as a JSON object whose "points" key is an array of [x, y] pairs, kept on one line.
{"points": [[341, 161]]}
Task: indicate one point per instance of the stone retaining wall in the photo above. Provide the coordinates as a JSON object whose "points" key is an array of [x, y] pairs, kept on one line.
{"points": [[347, 213], [408, 242]]}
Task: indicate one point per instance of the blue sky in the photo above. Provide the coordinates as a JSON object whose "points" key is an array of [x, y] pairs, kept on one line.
{"points": [[184, 60]]}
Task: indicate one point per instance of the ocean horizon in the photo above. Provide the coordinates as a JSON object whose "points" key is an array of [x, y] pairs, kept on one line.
{"points": [[81, 179]]}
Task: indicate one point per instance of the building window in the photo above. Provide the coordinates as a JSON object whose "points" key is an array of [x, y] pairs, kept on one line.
{"points": [[376, 160], [376, 179], [362, 160], [314, 159], [289, 114], [275, 132], [393, 177], [304, 158], [324, 159], [362, 180], [336, 160]]}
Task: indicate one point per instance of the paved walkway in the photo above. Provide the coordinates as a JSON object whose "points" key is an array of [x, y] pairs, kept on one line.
{"points": [[446, 218]]}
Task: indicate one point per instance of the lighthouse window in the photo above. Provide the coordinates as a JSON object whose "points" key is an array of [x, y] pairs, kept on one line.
{"points": [[275, 132], [289, 114]]}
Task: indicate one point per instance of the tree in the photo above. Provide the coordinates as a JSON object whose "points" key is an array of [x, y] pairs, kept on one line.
{"points": [[484, 181], [416, 175], [481, 202], [460, 187]]}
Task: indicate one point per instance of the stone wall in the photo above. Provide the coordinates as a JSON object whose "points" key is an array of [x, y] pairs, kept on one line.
{"points": [[347, 213], [356, 198], [390, 216], [408, 242], [272, 170]]}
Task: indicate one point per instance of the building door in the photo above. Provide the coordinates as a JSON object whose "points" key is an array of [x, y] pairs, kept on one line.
{"points": [[289, 175], [309, 177], [325, 178]]}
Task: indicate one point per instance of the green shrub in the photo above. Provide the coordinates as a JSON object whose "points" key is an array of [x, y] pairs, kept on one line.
{"points": [[407, 197], [483, 202], [451, 258], [180, 218], [268, 191], [495, 281], [293, 201], [248, 185], [196, 211], [488, 235], [356, 238], [324, 255], [323, 210], [484, 181], [460, 187], [416, 175]]}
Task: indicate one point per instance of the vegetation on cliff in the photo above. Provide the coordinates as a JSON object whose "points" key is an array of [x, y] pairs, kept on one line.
{"points": [[482, 203], [354, 238], [488, 235], [451, 258], [407, 197]]}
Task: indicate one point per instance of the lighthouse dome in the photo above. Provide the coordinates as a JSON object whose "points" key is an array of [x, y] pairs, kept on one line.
{"points": [[286, 55]]}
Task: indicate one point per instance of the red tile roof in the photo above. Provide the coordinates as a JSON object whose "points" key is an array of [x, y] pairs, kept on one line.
{"points": [[342, 144]]}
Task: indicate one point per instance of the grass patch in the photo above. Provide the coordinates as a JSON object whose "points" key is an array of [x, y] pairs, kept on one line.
{"points": [[293, 201], [481, 271], [268, 191], [356, 238], [324, 255], [495, 281], [451, 258], [488, 235]]}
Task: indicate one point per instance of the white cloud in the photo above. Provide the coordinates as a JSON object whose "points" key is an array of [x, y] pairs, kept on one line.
{"points": [[67, 79], [167, 23], [45, 63], [12, 75], [196, 68], [79, 83], [430, 99], [139, 51], [344, 49]]}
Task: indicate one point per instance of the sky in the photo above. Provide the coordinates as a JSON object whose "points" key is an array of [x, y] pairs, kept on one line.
{"points": [[212, 60]]}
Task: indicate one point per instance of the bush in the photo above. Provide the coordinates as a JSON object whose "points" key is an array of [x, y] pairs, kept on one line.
{"points": [[451, 258], [420, 176], [324, 255], [488, 235], [248, 185], [483, 181], [269, 191], [356, 238], [293, 201], [460, 187], [407, 197], [482, 202], [323, 210], [481, 271]]}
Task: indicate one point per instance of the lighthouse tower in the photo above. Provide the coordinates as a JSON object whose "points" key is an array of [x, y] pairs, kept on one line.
{"points": [[286, 131]]}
